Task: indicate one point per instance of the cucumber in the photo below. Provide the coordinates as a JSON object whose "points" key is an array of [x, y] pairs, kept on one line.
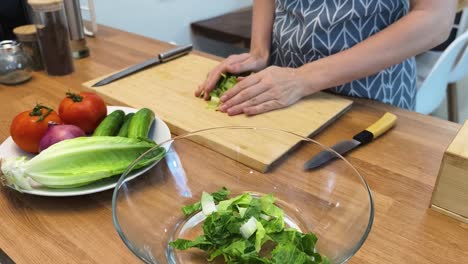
{"points": [[110, 125], [140, 123], [123, 132]]}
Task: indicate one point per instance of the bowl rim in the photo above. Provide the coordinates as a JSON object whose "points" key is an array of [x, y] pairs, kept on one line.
{"points": [[187, 134]]}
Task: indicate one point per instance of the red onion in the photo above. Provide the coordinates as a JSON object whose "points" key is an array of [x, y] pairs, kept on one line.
{"points": [[56, 133]]}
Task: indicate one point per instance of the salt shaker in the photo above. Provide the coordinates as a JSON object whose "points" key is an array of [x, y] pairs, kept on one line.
{"points": [[15, 64], [52, 32]]}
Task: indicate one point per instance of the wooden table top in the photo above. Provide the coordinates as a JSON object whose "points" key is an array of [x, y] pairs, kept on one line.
{"points": [[234, 27], [400, 167]]}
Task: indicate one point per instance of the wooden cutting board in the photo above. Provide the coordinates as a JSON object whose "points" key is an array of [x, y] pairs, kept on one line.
{"points": [[168, 89]]}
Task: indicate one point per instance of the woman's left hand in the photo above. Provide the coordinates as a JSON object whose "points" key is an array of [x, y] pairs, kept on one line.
{"points": [[269, 89]]}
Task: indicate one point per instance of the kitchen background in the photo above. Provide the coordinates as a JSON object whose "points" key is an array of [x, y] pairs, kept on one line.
{"points": [[169, 20]]}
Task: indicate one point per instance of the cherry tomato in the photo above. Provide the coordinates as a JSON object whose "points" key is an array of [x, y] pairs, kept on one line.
{"points": [[28, 127], [84, 110]]}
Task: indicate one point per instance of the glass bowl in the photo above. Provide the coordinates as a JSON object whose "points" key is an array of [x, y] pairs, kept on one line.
{"points": [[332, 201]]}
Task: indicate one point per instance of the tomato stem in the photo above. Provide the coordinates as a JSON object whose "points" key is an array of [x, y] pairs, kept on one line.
{"points": [[75, 97], [37, 112]]}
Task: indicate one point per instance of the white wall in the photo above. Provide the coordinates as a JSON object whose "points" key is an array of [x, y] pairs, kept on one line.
{"points": [[167, 20]]}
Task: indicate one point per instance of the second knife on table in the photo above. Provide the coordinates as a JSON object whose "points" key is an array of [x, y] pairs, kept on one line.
{"points": [[382, 125]]}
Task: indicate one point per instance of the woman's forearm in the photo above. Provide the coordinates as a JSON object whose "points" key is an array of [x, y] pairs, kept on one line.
{"points": [[426, 25], [262, 25]]}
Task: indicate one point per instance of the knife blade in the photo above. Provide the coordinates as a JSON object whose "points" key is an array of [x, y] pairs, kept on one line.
{"points": [[163, 57], [382, 125]]}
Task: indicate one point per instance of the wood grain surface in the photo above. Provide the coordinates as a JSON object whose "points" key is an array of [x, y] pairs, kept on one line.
{"points": [[450, 194], [459, 145], [168, 89], [400, 167]]}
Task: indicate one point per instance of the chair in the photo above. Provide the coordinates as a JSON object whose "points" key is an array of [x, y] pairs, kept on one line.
{"points": [[451, 66]]}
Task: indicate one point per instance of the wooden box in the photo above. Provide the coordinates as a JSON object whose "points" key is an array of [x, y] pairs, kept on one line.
{"points": [[450, 194]]}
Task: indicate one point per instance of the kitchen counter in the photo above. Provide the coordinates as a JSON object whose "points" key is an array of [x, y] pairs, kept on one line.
{"points": [[233, 28], [401, 168]]}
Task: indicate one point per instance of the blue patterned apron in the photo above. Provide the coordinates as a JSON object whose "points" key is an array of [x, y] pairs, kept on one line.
{"points": [[307, 30]]}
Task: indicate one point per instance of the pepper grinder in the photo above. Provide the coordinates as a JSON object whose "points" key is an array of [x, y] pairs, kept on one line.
{"points": [[75, 27], [52, 33]]}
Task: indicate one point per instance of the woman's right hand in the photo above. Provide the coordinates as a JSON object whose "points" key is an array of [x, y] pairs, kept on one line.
{"points": [[234, 64]]}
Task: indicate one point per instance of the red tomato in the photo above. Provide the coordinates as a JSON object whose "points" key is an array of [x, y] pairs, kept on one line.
{"points": [[85, 110], [28, 127]]}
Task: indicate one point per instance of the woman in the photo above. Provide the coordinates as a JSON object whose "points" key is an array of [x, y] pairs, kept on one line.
{"points": [[360, 48]]}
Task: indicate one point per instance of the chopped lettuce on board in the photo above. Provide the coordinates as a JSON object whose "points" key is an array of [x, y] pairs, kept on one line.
{"points": [[249, 229], [226, 82]]}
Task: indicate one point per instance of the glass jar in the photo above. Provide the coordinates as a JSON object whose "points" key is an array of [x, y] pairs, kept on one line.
{"points": [[15, 64], [52, 33], [27, 36]]}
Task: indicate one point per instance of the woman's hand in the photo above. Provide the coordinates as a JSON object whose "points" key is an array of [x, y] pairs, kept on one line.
{"points": [[270, 89], [235, 64]]}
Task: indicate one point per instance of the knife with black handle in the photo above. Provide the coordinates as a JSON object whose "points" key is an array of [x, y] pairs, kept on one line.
{"points": [[382, 125], [163, 57]]}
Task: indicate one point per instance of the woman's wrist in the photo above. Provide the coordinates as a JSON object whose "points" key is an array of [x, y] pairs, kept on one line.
{"points": [[263, 53], [311, 79]]}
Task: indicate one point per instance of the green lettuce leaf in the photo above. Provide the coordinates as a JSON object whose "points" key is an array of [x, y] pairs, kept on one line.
{"points": [[288, 253], [260, 237], [199, 242], [243, 199], [218, 196], [222, 237], [226, 82]]}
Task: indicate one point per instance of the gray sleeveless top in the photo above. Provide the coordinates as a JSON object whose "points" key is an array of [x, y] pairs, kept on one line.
{"points": [[307, 30]]}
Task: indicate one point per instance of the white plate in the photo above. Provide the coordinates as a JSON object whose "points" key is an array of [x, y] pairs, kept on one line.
{"points": [[159, 132]]}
